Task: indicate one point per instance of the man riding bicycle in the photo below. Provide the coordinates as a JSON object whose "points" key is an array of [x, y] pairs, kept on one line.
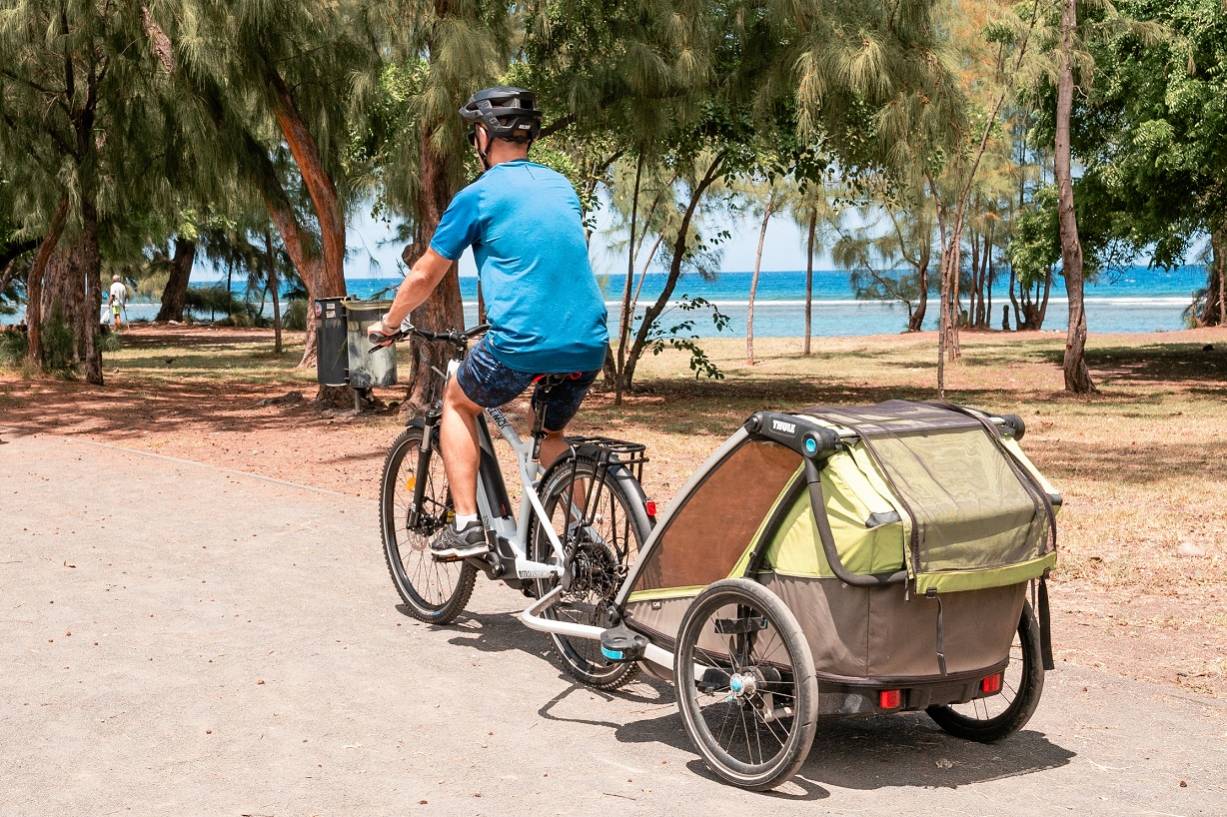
{"points": [[545, 311]]}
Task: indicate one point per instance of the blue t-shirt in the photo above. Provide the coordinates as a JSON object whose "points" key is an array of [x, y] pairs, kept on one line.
{"points": [[545, 311]]}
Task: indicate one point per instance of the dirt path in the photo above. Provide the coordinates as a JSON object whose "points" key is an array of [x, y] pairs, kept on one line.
{"points": [[190, 640]]}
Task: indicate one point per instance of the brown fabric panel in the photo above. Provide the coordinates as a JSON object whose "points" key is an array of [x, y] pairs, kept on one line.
{"points": [[659, 620], [863, 632], [979, 625], [708, 534], [867, 632], [834, 617]]}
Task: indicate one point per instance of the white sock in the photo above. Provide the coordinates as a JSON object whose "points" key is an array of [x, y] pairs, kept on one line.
{"points": [[463, 520]]}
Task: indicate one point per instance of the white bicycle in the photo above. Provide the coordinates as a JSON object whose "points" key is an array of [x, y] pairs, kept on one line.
{"points": [[578, 529]]}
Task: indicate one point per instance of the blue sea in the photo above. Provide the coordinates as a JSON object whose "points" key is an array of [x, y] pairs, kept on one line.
{"points": [[1135, 299]]}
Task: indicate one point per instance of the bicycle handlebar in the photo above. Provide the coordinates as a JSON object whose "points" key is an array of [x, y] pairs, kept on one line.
{"points": [[458, 339]]}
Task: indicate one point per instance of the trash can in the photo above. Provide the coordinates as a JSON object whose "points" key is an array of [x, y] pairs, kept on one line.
{"points": [[368, 368], [331, 356]]}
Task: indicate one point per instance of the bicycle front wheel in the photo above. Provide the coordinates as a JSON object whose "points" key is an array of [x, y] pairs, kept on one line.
{"points": [[434, 592]]}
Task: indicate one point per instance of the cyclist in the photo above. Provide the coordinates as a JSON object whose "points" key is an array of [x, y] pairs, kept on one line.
{"points": [[545, 311]]}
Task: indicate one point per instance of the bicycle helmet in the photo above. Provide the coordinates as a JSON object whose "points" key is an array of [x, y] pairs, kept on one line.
{"points": [[505, 113]]}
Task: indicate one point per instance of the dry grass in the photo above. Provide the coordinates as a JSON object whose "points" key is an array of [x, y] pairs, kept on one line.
{"points": [[1142, 583]]}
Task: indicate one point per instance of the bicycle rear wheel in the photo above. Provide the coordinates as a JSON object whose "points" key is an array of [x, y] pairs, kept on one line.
{"points": [[599, 552], [434, 592]]}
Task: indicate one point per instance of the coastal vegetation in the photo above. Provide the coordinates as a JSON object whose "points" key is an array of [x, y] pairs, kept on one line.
{"points": [[968, 152]]}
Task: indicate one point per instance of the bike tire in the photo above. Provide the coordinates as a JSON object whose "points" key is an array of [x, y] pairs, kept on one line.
{"points": [[701, 700], [582, 658], [443, 604], [1020, 708]]}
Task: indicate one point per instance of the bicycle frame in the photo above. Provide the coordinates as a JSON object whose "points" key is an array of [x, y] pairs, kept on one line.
{"points": [[512, 534], [492, 503]]}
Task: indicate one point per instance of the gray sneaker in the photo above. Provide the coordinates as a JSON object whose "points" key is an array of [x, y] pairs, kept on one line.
{"points": [[453, 544]]}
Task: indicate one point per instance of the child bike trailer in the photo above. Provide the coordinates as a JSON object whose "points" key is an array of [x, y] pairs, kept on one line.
{"points": [[849, 561]]}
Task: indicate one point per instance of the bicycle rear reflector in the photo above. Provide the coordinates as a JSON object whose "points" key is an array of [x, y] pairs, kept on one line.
{"points": [[991, 685], [889, 699]]}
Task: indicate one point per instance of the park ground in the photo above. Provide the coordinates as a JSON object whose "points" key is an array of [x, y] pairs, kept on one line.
{"points": [[1141, 589]]}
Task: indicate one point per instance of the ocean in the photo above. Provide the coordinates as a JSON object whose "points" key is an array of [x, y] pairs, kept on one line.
{"points": [[1136, 299]]}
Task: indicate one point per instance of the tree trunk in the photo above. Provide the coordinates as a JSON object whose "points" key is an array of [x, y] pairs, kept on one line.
{"points": [[975, 279], [1042, 311], [1214, 304], [624, 321], [328, 278], [809, 279], [90, 261], [1222, 279], [680, 241], [758, 265], [259, 170], [1077, 376], [988, 281], [274, 286], [1014, 300], [444, 309], [61, 299], [174, 295], [916, 321], [34, 283]]}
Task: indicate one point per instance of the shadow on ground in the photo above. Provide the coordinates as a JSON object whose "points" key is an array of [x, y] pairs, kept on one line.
{"points": [[864, 753]]}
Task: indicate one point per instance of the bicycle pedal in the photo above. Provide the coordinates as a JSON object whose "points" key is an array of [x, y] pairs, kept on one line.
{"points": [[622, 644]]}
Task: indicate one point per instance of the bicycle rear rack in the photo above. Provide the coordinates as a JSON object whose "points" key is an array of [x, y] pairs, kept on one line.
{"points": [[630, 455], [609, 452]]}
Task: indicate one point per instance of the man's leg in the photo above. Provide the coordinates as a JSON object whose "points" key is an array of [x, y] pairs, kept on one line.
{"points": [[458, 444], [553, 446], [480, 381]]}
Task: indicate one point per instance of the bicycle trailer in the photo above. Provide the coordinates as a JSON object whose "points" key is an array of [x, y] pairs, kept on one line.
{"points": [[874, 559]]}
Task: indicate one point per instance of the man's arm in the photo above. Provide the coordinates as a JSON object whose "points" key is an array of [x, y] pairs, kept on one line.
{"points": [[414, 290]]}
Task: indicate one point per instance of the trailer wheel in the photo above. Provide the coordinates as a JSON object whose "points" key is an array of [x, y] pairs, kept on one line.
{"points": [[746, 686], [997, 716]]}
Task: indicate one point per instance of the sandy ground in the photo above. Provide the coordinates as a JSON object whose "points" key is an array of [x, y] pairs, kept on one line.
{"points": [[185, 639], [1141, 589]]}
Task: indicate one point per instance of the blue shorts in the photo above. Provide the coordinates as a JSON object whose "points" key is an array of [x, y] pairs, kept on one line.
{"points": [[488, 383]]}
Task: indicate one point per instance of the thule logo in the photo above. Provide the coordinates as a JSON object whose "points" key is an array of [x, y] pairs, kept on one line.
{"points": [[787, 428]]}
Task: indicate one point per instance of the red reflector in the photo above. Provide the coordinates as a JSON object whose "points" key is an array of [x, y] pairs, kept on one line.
{"points": [[650, 505], [991, 684], [890, 698]]}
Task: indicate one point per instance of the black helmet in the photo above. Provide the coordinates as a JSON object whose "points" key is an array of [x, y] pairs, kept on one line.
{"points": [[506, 113]]}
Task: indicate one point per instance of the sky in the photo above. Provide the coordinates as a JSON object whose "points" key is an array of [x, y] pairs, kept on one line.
{"points": [[373, 255]]}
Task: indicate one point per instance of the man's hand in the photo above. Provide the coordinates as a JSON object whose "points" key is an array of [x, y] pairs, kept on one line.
{"points": [[379, 336]]}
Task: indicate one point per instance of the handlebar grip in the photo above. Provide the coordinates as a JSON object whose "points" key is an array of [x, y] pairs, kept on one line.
{"points": [[379, 340]]}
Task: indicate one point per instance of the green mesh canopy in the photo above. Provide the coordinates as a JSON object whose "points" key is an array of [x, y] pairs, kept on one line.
{"points": [[937, 497]]}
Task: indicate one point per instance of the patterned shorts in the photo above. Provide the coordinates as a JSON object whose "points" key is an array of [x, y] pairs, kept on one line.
{"points": [[488, 383]]}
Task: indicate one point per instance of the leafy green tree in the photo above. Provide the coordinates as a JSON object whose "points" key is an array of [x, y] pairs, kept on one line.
{"points": [[812, 206], [1077, 375], [75, 139], [768, 196], [890, 254], [1152, 137]]}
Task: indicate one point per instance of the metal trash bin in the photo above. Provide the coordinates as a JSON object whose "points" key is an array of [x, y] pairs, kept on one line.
{"points": [[368, 368], [331, 354]]}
